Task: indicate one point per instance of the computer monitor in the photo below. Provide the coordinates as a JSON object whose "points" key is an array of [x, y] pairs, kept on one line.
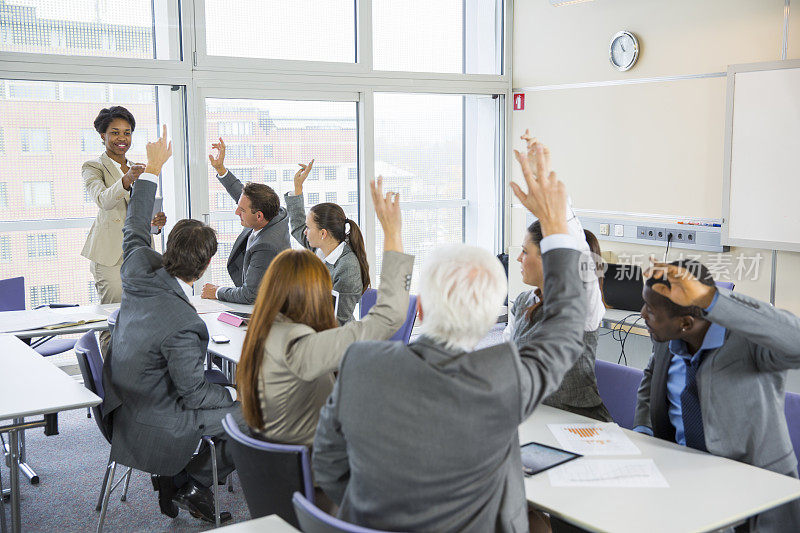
{"points": [[622, 287]]}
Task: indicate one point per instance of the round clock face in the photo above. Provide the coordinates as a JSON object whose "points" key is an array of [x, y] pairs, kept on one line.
{"points": [[624, 50]]}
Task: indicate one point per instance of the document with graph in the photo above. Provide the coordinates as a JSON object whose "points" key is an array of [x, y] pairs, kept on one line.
{"points": [[601, 438], [618, 473]]}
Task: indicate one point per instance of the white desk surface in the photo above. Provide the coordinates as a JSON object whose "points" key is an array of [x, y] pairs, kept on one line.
{"points": [[266, 524], [705, 492], [232, 350], [30, 385], [105, 310]]}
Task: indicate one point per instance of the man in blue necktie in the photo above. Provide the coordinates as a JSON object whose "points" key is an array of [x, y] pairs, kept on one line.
{"points": [[716, 379]]}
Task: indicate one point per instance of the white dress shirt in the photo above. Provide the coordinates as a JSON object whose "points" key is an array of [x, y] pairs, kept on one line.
{"points": [[332, 257]]}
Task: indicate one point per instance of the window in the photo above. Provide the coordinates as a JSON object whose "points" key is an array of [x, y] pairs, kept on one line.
{"points": [[225, 202], [91, 293], [83, 92], [3, 195], [295, 131], [443, 36], [314, 173], [42, 245], [35, 140], [2, 141], [330, 197], [91, 140], [239, 151], [352, 173], [237, 29], [330, 173], [352, 197], [440, 152], [5, 249], [38, 193], [235, 128], [267, 150], [43, 295], [87, 28]]}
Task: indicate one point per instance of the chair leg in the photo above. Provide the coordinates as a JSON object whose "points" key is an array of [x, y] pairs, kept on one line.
{"points": [[215, 478], [107, 493], [3, 526], [103, 487], [230, 482], [127, 483]]}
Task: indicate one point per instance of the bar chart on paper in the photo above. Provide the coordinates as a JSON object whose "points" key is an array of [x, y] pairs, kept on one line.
{"points": [[593, 439]]}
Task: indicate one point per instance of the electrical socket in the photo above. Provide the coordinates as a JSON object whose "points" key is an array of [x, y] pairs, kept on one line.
{"points": [[642, 232], [651, 233]]}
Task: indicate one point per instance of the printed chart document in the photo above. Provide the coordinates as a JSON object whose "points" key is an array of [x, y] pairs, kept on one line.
{"points": [[619, 473], [601, 438]]}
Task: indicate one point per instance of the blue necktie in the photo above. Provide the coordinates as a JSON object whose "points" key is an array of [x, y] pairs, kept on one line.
{"points": [[690, 408]]}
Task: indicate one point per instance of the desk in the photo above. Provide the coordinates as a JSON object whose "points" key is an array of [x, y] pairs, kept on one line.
{"points": [[272, 524], [621, 319], [230, 351], [31, 386], [705, 492]]}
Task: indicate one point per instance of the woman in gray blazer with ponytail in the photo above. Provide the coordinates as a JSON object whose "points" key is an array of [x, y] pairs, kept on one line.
{"points": [[336, 239]]}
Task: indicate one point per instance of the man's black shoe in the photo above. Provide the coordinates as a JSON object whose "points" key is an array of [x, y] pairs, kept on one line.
{"points": [[199, 501], [166, 492]]}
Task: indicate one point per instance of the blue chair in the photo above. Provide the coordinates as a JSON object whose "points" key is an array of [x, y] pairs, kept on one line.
{"points": [[618, 386], [725, 284], [369, 298], [792, 411], [270, 473], [12, 298], [314, 520], [112, 320]]}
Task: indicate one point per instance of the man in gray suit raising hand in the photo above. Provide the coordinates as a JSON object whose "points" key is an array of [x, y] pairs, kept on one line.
{"points": [[157, 396], [424, 437]]}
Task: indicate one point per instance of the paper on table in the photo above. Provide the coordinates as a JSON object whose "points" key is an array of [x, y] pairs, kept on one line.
{"points": [[29, 319], [618, 473], [601, 438], [208, 306]]}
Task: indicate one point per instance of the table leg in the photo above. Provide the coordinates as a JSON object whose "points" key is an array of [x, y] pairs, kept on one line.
{"points": [[24, 467], [14, 468]]}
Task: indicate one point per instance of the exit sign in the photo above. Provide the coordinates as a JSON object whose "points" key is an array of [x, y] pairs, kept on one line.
{"points": [[519, 102]]}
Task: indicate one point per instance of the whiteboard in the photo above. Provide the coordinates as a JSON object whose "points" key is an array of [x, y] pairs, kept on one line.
{"points": [[761, 190]]}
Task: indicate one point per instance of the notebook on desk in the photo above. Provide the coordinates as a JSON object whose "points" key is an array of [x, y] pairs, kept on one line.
{"points": [[622, 287]]}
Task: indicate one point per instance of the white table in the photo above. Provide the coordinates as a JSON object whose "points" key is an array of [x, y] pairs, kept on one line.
{"points": [[231, 351], [705, 492], [31, 386], [266, 524]]}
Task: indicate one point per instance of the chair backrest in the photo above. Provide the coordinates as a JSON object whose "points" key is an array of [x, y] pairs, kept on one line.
{"points": [[270, 473], [90, 362], [618, 386], [112, 320], [12, 294], [725, 284], [403, 334], [792, 412], [314, 520]]}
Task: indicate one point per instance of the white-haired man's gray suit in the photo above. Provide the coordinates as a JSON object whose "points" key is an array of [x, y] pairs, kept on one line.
{"points": [[424, 438], [156, 392]]}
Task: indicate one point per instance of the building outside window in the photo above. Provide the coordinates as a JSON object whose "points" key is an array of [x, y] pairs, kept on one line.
{"points": [[330, 173], [42, 245], [43, 295], [313, 198], [330, 196], [38, 193], [35, 140]]}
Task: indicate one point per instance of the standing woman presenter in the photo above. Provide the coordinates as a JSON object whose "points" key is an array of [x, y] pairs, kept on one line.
{"points": [[108, 181]]}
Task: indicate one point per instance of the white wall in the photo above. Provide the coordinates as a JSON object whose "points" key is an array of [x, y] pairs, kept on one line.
{"points": [[651, 147]]}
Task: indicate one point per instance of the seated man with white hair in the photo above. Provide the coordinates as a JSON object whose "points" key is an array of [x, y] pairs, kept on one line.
{"points": [[424, 437]]}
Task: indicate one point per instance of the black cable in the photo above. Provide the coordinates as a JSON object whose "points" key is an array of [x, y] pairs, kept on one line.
{"points": [[669, 238]]}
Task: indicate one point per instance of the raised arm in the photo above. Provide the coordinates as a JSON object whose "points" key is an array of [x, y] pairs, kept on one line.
{"points": [[295, 206], [225, 177], [106, 197]]}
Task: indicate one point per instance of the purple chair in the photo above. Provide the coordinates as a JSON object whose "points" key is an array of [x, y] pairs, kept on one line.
{"points": [[792, 411], [12, 298], [618, 386], [369, 298], [314, 520], [725, 284], [270, 473]]}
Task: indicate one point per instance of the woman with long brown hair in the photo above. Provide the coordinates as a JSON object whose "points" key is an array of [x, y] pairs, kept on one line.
{"points": [[336, 239], [293, 344]]}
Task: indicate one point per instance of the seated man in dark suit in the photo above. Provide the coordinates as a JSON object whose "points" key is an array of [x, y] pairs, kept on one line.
{"points": [[424, 437], [157, 396], [265, 234], [717, 378]]}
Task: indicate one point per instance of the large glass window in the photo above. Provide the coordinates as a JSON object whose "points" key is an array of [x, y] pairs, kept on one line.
{"points": [[45, 211], [441, 153], [134, 29], [460, 36], [298, 131], [304, 30]]}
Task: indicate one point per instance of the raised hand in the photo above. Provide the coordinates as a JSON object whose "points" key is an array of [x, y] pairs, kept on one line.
{"points": [[158, 153], [300, 176], [387, 209], [160, 220], [547, 196], [684, 288], [132, 175], [218, 162]]}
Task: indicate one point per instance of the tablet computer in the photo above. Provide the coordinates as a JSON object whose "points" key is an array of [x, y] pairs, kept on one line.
{"points": [[540, 457]]}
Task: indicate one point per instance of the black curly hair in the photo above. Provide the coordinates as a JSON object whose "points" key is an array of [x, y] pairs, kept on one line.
{"points": [[105, 116]]}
